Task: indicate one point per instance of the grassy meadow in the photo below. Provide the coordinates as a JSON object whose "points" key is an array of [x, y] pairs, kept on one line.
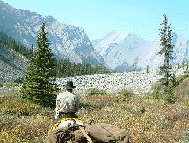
{"points": [[147, 118]]}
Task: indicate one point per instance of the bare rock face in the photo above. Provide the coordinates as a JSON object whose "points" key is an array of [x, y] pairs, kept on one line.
{"points": [[12, 66]]}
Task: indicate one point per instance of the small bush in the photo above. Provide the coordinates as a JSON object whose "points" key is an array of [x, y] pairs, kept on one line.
{"points": [[165, 124], [11, 84], [161, 91], [186, 74], [156, 94], [126, 93], [142, 110], [158, 90], [170, 96], [95, 91]]}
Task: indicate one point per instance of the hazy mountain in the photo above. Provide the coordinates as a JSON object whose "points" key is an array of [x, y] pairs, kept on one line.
{"points": [[118, 51], [123, 51], [67, 41]]}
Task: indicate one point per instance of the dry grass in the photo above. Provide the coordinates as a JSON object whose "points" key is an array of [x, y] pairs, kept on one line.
{"points": [[22, 121], [145, 118], [9, 84]]}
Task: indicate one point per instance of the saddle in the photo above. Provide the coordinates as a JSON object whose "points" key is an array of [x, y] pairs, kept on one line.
{"points": [[95, 133]]}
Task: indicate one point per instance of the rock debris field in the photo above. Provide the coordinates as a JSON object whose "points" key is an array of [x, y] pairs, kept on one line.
{"points": [[139, 81]]}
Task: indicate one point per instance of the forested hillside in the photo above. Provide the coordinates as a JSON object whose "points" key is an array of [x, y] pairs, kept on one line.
{"points": [[10, 43], [65, 68], [13, 56]]}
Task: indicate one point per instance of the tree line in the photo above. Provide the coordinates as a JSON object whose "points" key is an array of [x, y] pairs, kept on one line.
{"points": [[64, 67], [10, 43]]}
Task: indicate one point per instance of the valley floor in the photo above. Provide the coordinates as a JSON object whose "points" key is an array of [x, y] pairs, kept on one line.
{"points": [[147, 119]]}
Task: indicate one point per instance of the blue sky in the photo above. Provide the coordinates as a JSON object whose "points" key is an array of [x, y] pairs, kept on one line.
{"points": [[99, 17]]}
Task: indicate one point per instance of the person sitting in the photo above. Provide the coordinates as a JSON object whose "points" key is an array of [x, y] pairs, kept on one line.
{"points": [[69, 128], [66, 121]]}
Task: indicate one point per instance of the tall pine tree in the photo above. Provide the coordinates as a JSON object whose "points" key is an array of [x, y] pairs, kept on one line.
{"points": [[166, 51], [38, 86]]}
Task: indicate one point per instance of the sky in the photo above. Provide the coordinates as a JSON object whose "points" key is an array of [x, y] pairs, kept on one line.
{"points": [[99, 17]]}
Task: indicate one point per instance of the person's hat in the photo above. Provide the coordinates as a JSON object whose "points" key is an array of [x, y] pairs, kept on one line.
{"points": [[69, 85]]}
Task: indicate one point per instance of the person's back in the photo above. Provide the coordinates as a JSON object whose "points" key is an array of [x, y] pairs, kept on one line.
{"points": [[66, 102], [66, 121], [68, 127]]}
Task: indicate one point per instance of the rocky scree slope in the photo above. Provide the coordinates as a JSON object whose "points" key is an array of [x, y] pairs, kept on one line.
{"points": [[13, 65], [139, 81]]}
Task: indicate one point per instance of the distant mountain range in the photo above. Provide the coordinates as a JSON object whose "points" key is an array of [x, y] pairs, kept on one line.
{"points": [[117, 51], [125, 51], [67, 41]]}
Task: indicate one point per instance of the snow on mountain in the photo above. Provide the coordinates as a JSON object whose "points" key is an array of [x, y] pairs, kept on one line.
{"points": [[126, 51], [67, 41]]}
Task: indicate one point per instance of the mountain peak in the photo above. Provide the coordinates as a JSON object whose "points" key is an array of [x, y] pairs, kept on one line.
{"points": [[67, 41], [123, 50]]}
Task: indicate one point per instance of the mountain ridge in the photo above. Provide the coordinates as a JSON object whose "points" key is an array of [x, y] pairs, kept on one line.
{"points": [[117, 51], [67, 41], [133, 52]]}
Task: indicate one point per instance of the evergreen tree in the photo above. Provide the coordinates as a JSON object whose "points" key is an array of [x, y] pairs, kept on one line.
{"points": [[147, 69], [178, 66], [100, 69], [166, 51], [187, 66], [10, 43], [31, 48], [186, 70], [134, 67], [183, 65], [65, 68], [38, 85]]}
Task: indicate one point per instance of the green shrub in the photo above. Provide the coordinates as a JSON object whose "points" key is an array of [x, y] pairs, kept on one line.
{"points": [[165, 124], [125, 93], [47, 112], [156, 94], [170, 95], [186, 75], [95, 91], [158, 90], [142, 110], [11, 84], [14, 94]]}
